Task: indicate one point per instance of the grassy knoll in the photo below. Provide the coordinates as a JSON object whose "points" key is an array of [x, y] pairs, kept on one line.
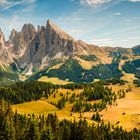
{"points": [[36, 107]]}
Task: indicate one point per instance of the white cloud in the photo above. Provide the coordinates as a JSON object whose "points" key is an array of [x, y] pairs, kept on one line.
{"points": [[103, 42], [94, 2]]}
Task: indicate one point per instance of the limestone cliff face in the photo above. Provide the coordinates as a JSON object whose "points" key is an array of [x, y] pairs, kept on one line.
{"points": [[51, 42], [19, 41], [5, 58]]}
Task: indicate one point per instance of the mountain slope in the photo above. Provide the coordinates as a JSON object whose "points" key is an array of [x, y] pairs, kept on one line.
{"points": [[49, 51], [50, 43]]}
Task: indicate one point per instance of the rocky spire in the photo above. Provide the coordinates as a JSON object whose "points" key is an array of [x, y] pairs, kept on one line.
{"points": [[52, 27], [13, 34], [21, 40], [28, 32]]}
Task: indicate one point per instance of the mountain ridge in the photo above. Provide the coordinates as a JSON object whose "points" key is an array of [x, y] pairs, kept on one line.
{"points": [[32, 50]]}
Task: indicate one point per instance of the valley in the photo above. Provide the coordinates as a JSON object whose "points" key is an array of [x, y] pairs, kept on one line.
{"points": [[126, 113], [69, 70], [54, 82]]}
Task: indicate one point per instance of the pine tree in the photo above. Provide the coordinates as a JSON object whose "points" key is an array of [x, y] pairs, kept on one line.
{"points": [[6, 122], [33, 132], [47, 133]]}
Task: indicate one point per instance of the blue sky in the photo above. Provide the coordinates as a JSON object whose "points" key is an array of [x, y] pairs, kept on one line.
{"points": [[101, 22]]}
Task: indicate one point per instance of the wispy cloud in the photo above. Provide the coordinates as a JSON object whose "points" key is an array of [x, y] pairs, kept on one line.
{"points": [[94, 2], [134, 0], [117, 14], [113, 42], [100, 41], [101, 22], [101, 2], [7, 4]]}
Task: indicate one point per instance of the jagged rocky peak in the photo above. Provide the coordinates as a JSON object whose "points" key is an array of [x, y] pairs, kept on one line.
{"points": [[2, 39], [20, 40], [52, 27], [13, 34], [41, 28], [50, 42], [28, 31], [27, 27]]}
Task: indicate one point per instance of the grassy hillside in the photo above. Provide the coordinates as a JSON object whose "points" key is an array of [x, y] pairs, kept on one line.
{"points": [[36, 107], [89, 57], [103, 72], [125, 113], [72, 71]]}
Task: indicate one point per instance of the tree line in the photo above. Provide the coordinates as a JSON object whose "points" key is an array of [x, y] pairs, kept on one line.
{"points": [[21, 92], [14, 126]]}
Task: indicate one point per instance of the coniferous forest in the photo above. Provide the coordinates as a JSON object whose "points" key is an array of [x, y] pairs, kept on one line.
{"points": [[15, 126]]}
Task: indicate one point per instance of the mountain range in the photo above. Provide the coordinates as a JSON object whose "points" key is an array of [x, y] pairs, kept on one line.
{"points": [[49, 51]]}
